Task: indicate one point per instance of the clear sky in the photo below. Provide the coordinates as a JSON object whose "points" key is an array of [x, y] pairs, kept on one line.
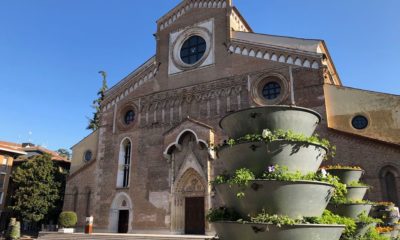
{"points": [[51, 52]]}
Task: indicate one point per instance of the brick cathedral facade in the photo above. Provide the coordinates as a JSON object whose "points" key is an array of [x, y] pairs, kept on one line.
{"points": [[148, 167]]}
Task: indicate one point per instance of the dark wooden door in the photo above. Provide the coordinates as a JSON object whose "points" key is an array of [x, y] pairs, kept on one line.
{"points": [[123, 221], [194, 215]]}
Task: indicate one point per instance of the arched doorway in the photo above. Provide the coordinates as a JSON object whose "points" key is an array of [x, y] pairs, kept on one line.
{"points": [[189, 204], [388, 178], [121, 214]]}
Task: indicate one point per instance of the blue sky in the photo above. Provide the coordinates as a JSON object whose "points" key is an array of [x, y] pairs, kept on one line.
{"points": [[51, 52]]}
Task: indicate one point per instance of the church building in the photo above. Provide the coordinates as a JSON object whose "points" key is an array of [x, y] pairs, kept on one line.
{"points": [[148, 167]]}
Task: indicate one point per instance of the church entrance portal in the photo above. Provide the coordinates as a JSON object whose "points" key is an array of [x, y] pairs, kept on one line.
{"points": [[123, 220], [194, 215]]}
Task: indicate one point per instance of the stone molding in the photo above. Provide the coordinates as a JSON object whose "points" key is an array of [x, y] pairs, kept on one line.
{"points": [[186, 7]]}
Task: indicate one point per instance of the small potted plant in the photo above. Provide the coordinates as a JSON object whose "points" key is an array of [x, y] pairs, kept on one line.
{"points": [[67, 221]]}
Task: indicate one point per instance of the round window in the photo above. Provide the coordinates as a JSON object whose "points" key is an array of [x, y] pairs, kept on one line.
{"points": [[271, 90], [359, 122], [129, 117], [193, 49], [88, 155]]}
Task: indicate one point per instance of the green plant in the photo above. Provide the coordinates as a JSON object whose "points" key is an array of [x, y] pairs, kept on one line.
{"points": [[365, 219], [357, 184], [334, 167], [268, 136], [242, 176], [346, 201], [67, 219], [222, 214], [275, 219], [330, 218], [15, 232]]}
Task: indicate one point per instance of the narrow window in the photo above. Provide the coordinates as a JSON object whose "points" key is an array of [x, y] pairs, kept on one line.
{"points": [[391, 190], [127, 161], [75, 205], [124, 163], [88, 194]]}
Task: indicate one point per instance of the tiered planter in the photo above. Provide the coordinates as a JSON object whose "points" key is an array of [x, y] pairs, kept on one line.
{"points": [[295, 199], [255, 120], [350, 210], [346, 176], [253, 231], [388, 214], [296, 156]]}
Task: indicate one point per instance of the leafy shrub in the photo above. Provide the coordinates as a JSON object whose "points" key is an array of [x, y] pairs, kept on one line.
{"points": [[365, 219], [222, 214], [67, 219], [275, 219]]}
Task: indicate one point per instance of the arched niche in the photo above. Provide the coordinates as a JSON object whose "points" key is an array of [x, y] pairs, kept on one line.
{"points": [[388, 176]]}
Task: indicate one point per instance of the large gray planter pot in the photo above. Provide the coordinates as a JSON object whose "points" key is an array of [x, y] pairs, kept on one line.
{"points": [[252, 231], [351, 210], [257, 156], [356, 193], [255, 120], [346, 176], [293, 199]]}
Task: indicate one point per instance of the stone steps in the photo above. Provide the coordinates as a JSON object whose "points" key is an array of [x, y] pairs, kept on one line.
{"points": [[105, 236]]}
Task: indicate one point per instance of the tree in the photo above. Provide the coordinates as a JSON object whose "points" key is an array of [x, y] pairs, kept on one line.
{"points": [[36, 188], [64, 153], [94, 123]]}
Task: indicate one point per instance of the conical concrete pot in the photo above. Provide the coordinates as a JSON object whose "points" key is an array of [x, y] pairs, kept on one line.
{"points": [[346, 176], [356, 193], [257, 156], [252, 231], [363, 228], [294, 199], [255, 120], [350, 210]]}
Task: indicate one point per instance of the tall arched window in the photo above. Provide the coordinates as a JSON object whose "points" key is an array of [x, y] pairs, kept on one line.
{"points": [[388, 177], [75, 201], [88, 196], [124, 164]]}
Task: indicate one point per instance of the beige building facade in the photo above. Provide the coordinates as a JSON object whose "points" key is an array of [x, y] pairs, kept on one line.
{"points": [[151, 163]]}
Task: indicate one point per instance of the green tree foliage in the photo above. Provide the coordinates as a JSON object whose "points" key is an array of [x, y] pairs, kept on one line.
{"points": [[64, 153], [37, 188], [94, 123]]}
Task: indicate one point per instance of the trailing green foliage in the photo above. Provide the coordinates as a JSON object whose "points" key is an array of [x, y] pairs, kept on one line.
{"points": [[365, 219], [67, 219], [372, 234], [268, 136], [336, 167], [243, 176], [330, 218], [275, 219], [357, 184], [222, 214], [37, 188]]}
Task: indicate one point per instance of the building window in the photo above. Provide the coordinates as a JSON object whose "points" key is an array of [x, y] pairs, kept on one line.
{"points": [[75, 201], [3, 167], [1, 197], [88, 196], [124, 164], [2, 180], [193, 49], [129, 117], [271, 90], [390, 183], [88, 156], [359, 122]]}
